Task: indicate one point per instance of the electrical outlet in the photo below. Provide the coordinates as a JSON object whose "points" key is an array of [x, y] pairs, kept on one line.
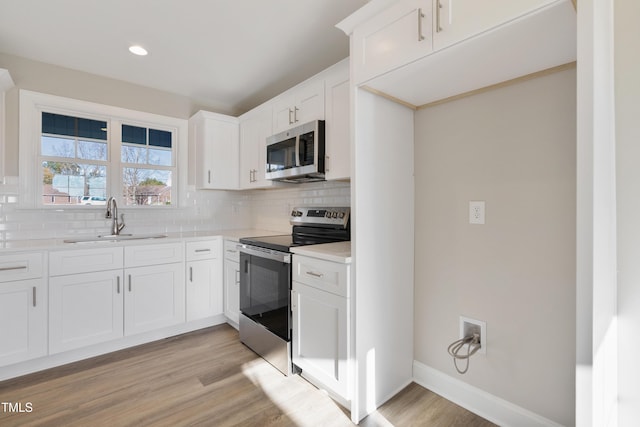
{"points": [[476, 212], [470, 326]]}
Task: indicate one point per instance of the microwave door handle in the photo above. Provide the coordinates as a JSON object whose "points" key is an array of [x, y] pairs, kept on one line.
{"points": [[297, 150]]}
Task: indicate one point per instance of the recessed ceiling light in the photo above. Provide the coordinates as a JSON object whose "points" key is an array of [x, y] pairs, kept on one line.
{"points": [[138, 50]]}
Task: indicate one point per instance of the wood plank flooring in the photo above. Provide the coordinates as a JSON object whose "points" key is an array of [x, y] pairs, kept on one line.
{"points": [[204, 378]]}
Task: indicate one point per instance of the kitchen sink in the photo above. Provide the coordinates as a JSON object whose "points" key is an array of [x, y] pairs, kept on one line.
{"points": [[115, 238]]}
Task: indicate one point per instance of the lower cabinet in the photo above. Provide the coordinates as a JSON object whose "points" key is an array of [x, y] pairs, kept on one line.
{"points": [[23, 316], [232, 282], [153, 298], [85, 309], [204, 279], [92, 307], [320, 336], [321, 323]]}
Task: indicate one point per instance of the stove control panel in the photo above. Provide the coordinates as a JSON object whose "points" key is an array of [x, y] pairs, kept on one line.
{"points": [[334, 217]]}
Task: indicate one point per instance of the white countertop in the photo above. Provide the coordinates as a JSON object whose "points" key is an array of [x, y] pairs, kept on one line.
{"points": [[59, 243], [336, 252]]}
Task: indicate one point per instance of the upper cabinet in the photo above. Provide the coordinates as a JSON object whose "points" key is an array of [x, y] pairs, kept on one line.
{"points": [[456, 20], [255, 127], [213, 151], [422, 51], [337, 122], [394, 37], [299, 105]]}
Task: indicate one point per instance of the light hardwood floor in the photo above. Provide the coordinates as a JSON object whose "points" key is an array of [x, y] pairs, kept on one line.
{"points": [[204, 378]]}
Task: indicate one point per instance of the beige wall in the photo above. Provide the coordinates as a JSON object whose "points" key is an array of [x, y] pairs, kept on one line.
{"points": [[54, 80], [514, 148]]}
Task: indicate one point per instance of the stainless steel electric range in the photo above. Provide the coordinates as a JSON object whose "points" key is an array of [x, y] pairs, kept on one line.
{"points": [[265, 280]]}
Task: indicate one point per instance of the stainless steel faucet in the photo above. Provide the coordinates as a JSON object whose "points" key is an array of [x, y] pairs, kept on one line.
{"points": [[112, 212]]}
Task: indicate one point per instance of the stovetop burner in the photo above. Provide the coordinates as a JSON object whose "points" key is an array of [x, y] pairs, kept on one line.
{"points": [[311, 226]]}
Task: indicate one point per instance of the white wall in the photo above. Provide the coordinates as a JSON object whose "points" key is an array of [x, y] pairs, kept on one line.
{"points": [[627, 93], [514, 148]]}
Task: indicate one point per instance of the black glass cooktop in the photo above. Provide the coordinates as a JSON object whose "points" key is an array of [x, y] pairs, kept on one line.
{"points": [[277, 243]]}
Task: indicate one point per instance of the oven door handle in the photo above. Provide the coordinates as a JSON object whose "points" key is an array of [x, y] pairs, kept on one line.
{"points": [[283, 257]]}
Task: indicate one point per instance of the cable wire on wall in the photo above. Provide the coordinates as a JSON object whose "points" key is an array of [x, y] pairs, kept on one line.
{"points": [[472, 342]]}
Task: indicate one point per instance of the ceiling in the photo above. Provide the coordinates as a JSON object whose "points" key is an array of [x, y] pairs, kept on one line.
{"points": [[231, 54]]}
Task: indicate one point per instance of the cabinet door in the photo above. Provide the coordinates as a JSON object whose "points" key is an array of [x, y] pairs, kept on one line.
{"points": [[394, 37], [337, 126], [23, 316], [456, 20], [309, 102], [204, 288], [299, 105], [154, 297], [320, 337], [232, 290], [214, 151], [85, 309], [254, 131]]}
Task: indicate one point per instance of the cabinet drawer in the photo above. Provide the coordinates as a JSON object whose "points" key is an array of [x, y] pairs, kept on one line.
{"points": [[205, 249], [231, 251], [21, 266], [84, 260], [325, 275], [138, 256]]}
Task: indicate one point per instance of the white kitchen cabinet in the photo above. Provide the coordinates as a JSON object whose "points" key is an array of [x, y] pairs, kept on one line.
{"points": [[255, 127], [456, 20], [396, 36], [337, 124], [85, 309], [23, 307], [101, 294], [232, 282], [321, 323], [204, 281], [299, 105], [154, 297], [214, 143]]}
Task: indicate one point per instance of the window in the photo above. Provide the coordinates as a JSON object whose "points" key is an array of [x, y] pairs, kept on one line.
{"points": [[147, 161], [86, 153], [74, 159]]}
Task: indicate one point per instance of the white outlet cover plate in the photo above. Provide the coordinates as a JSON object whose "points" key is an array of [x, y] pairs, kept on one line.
{"points": [[483, 331], [476, 212]]}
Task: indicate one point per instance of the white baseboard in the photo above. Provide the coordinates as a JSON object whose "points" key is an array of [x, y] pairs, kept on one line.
{"points": [[486, 405]]}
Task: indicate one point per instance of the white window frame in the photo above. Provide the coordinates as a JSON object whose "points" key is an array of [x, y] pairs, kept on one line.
{"points": [[32, 104]]}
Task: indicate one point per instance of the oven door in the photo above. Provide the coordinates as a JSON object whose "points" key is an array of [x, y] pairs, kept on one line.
{"points": [[265, 288]]}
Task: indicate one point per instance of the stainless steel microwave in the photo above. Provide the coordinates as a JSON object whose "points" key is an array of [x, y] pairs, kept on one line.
{"points": [[297, 155]]}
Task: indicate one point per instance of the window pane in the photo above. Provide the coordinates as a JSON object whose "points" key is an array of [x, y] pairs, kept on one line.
{"points": [[146, 186], [69, 183], [134, 154], [160, 157], [159, 138], [58, 124], [134, 134], [92, 150], [58, 147]]}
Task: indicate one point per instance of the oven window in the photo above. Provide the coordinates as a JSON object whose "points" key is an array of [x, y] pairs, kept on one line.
{"points": [[264, 292]]}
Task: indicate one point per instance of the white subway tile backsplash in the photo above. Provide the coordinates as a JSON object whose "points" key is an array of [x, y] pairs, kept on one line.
{"points": [[207, 210]]}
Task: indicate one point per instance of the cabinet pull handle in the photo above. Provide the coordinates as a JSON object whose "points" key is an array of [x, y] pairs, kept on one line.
{"points": [[420, 16], [438, 7], [118, 284], [203, 250], [232, 251], [19, 267], [129, 283], [191, 274], [326, 163], [237, 277], [209, 177], [34, 296], [295, 114], [314, 274], [290, 112]]}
